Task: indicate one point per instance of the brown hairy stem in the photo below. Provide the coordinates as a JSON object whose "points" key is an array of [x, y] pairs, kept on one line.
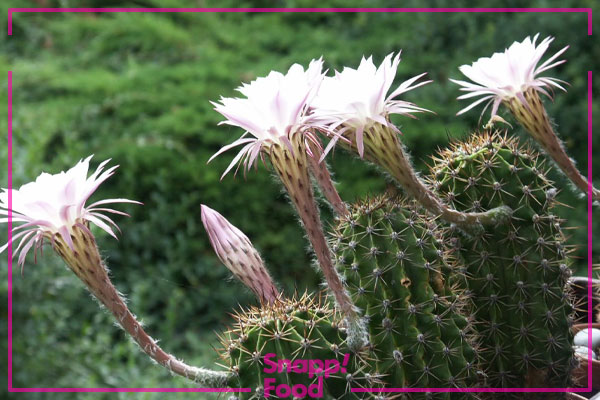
{"points": [[86, 263], [535, 120], [292, 168], [323, 177]]}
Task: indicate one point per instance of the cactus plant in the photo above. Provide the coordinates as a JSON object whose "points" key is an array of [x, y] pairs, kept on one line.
{"points": [[516, 272], [393, 265], [417, 304], [298, 328]]}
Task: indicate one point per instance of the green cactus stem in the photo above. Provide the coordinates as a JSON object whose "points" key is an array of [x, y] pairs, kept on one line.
{"points": [[294, 329], [394, 266], [516, 273]]}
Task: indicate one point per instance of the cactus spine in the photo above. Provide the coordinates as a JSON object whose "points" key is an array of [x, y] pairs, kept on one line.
{"points": [[516, 272]]}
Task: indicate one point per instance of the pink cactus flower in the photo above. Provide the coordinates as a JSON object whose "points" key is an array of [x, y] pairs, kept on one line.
{"points": [[54, 205]]}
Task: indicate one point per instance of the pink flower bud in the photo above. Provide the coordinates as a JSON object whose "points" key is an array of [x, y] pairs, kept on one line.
{"points": [[236, 252]]}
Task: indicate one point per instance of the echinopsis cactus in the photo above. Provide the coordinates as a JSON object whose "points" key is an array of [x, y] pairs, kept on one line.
{"points": [[459, 283], [516, 273], [394, 266]]}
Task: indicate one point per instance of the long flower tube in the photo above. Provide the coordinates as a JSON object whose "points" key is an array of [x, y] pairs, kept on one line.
{"points": [[291, 165], [512, 78], [274, 115], [382, 147], [53, 209], [354, 105], [320, 171]]}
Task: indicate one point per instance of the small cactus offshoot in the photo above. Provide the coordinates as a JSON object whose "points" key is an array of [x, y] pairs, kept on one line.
{"points": [[291, 333]]}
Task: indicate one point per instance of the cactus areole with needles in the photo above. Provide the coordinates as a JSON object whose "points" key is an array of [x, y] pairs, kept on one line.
{"points": [[515, 274], [396, 267]]}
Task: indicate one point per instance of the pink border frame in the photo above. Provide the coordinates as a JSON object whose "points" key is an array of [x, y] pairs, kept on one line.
{"points": [[240, 10]]}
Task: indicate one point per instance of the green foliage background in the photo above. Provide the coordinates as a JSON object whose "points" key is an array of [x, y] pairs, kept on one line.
{"points": [[136, 88]]}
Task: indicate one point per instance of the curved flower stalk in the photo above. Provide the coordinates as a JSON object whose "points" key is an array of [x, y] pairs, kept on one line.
{"points": [[319, 170], [53, 209], [512, 78], [236, 252], [274, 115], [354, 105]]}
